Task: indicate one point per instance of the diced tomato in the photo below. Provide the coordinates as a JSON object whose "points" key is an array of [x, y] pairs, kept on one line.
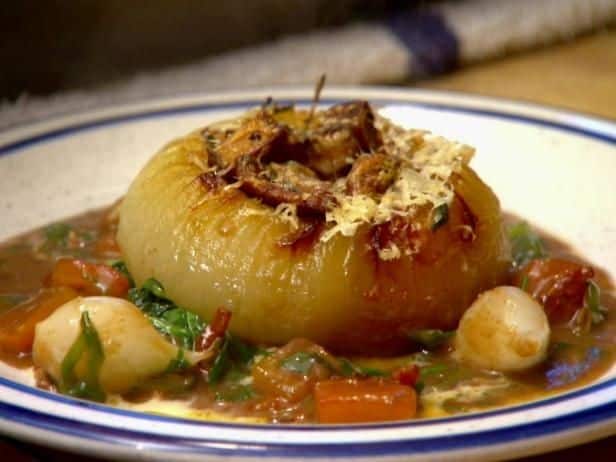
{"points": [[407, 375], [355, 401], [559, 285], [88, 278], [17, 324]]}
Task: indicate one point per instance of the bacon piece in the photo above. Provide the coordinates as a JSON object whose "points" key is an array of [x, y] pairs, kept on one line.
{"points": [[558, 284], [215, 329], [340, 134], [290, 183], [372, 174]]}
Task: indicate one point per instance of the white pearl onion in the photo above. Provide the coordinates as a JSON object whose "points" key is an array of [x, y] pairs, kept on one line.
{"points": [[504, 329], [134, 350]]}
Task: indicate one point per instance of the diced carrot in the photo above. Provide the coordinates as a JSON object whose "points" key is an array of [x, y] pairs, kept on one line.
{"points": [[559, 285], [88, 278], [355, 401], [17, 324], [292, 370]]}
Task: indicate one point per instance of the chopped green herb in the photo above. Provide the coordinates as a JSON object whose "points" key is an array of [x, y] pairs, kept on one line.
{"points": [[57, 234], [524, 282], [154, 287], [301, 362], [430, 338], [372, 372], [241, 351], [526, 245], [149, 303], [435, 369], [221, 363], [235, 393], [440, 216], [87, 343], [592, 301], [182, 326], [178, 363], [348, 369], [120, 266]]}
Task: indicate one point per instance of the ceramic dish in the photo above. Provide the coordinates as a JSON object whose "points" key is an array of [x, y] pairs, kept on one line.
{"points": [[553, 168]]}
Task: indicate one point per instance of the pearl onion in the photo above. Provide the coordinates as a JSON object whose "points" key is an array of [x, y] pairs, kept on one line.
{"points": [[504, 329]]}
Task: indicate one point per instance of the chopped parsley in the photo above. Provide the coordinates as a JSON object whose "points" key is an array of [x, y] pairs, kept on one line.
{"points": [[57, 235], [221, 363], [179, 363], [430, 338], [180, 325], [235, 393], [526, 245], [350, 369], [592, 302]]}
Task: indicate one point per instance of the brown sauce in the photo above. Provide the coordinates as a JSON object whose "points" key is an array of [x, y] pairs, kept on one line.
{"points": [[574, 360]]}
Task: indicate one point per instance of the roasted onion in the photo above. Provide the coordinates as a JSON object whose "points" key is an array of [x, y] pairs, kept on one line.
{"points": [[244, 215]]}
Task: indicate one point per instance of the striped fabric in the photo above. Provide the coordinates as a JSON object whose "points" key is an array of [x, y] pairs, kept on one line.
{"points": [[411, 44]]}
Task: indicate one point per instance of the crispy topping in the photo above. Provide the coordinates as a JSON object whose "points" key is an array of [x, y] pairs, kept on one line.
{"points": [[343, 164]]}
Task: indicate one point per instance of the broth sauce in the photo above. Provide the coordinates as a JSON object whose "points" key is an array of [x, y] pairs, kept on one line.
{"points": [[444, 386]]}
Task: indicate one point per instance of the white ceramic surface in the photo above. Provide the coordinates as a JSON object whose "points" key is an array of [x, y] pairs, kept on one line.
{"points": [[555, 169]]}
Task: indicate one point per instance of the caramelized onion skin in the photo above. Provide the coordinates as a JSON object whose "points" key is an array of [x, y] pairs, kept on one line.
{"points": [[211, 247]]}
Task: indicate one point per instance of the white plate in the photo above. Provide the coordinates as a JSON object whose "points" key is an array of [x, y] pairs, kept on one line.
{"points": [[554, 168]]}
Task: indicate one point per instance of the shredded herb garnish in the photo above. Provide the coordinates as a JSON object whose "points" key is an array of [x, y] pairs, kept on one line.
{"points": [[430, 338], [524, 282], [87, 343], [179, 363], [184, 328], [57, 235], [242, 352], [235, 393], [526, 245], [592, 302], [221, 363], [121, 267], [350, 369], [181, 326]]}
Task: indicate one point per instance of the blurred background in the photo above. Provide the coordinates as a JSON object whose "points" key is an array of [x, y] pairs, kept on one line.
{"points": [[62, 56]]}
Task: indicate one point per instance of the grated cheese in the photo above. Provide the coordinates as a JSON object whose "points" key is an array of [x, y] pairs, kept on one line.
{"points": [[428, 162]]}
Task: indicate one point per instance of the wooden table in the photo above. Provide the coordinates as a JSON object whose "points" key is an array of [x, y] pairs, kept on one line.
{"points": [[579, 75]]}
